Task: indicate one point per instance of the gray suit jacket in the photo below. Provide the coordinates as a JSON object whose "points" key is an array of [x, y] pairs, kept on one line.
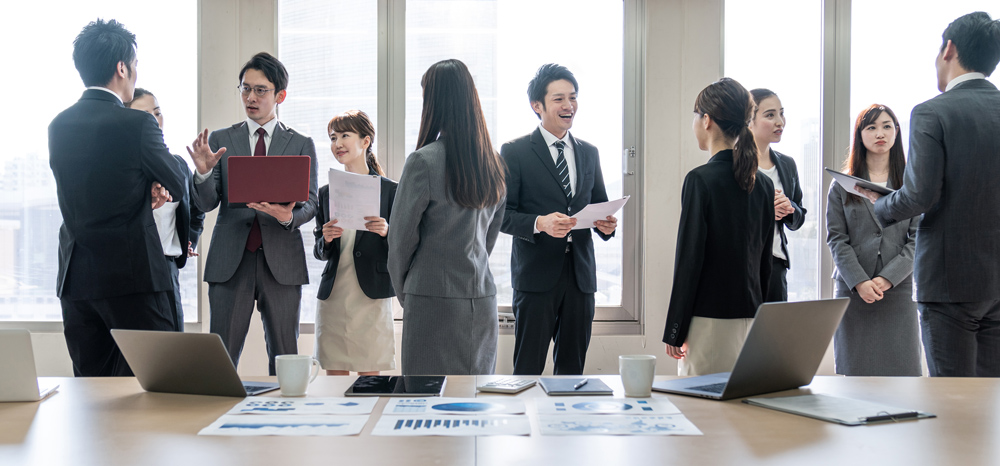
{"points": [[856, 239], [951, 178], [283, 247], [436, 247]]}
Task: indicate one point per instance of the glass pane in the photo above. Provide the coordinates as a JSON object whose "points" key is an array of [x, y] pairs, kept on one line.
{"points": [[877, 30], [331, 51], [503, 43], [778, 48], [29, 213]]}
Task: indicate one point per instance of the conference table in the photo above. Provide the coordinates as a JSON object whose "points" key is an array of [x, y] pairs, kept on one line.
{"points": [[112, 421]]}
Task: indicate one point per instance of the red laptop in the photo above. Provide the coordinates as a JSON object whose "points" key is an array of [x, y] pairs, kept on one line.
{"points": [[276, 178]]}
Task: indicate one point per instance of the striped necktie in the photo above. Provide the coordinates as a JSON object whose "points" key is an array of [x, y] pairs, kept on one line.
{"points": [[563, 170]]}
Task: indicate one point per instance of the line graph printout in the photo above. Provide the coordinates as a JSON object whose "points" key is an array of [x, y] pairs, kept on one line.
{"points": [[616, 425], [290, 425], [304, 406], [604, 405], [449, 425], [443, 405]]}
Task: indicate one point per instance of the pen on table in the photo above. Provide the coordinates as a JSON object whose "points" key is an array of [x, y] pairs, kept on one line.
{"points": [[580, 384]]}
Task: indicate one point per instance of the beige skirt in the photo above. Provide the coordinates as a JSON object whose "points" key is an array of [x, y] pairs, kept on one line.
{"points": [[713, 345]]}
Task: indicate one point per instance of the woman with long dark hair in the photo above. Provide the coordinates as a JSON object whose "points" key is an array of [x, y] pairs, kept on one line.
{"points": [[879, 334], [354, 330], [445, 223], [723, 259], [767, 125]]}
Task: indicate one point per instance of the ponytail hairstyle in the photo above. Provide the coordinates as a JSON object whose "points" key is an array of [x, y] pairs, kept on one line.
{"points": [[474, 172], [356, 121], [730, 106], [857, 161]]}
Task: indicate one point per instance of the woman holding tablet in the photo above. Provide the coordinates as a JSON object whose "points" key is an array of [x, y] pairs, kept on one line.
{"points": [[723, 260], [879, 334], [354, 330]]}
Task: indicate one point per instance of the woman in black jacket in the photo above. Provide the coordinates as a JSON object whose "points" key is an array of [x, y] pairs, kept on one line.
{"points": [[723, 259]]}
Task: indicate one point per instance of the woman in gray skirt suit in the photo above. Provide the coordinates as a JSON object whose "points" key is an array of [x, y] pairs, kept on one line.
{"points": [[879, 335], [444, 223]]}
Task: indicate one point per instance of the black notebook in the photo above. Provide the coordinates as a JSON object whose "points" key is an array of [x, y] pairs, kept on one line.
{"points": [[574, 386], [397, 385]]}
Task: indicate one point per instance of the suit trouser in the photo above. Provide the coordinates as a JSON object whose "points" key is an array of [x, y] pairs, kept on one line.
{"points": [[232, 304], [87, 325], [777, 286], [961, 339], [563, 314], [176, 295]]}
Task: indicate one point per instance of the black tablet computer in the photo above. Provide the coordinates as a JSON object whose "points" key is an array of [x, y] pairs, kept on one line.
{"points": [[397, 385]]}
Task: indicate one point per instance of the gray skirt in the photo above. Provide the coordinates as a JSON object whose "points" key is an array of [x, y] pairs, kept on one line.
{"points": [[449, 336], [881, 338]]}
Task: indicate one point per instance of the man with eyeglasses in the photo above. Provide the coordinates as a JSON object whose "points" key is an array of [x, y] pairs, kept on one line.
{"points": [[256, 253]]}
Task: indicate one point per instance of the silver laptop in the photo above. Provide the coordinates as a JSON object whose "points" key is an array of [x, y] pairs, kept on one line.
{"points": [[784, 348], [19, 381], [190, 363]]}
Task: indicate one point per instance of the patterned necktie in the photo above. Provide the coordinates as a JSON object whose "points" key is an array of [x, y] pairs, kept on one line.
{"points": [[563, 170], [254, 240]]}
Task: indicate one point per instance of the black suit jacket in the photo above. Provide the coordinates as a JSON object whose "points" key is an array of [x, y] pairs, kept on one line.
{"points": [[723, 261], [789, 176], [105, 158], [190, 221], [533, 189], [371, 251]]}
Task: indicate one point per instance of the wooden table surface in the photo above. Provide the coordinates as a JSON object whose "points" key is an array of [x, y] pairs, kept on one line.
{"points": [[112, 421]]}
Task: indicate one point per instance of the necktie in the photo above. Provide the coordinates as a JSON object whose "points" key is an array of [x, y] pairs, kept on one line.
{"points": [[254, 239], [563, 170]]}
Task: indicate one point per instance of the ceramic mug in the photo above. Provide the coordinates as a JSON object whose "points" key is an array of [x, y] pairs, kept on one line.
{"points": [[637, 374], [294, 373]]}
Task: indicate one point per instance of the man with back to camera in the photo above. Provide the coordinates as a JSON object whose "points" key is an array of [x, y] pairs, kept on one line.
{"points": [[256, 253], [551, 176], [105, 159], [953, 167]]}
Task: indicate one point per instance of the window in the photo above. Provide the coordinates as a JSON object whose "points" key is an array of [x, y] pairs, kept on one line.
{"points": [[778, 48], [29, 213]]}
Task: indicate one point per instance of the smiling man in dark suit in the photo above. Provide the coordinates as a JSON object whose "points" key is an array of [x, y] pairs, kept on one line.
{"points": [[105, 158], [551, 176], [256, 253], [951, 179]]}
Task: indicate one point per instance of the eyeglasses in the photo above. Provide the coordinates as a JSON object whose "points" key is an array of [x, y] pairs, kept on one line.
{"points": [[260, 91]]}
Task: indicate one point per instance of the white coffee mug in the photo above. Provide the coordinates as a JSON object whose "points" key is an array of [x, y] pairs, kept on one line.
{"points": [[293, 373], [637, 374]]}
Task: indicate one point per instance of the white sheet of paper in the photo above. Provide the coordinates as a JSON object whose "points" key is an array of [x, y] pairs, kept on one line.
{"points": [[444, 405], [600, 211], [616, 425], [291, 425], [352, 198], [450, 425], [583, 405], [299, 406]]}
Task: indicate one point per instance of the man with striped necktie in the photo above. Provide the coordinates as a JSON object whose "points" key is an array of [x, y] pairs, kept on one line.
{"points": [[551, 176]]}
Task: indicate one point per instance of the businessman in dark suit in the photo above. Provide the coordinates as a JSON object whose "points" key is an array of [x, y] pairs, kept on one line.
{"points": [[950, 179], [105, 158], [257, 253], [551, 176]]}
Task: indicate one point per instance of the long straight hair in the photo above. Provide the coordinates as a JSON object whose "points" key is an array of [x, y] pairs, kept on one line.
{"points": [[857, 161], [452, 113], [730, 106], [356, 121]]}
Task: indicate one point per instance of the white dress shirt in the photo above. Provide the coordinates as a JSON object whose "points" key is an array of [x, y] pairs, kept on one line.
{"points": [[772, 173], [568, 153], [166, 225], [109, 91], [963, 78]]}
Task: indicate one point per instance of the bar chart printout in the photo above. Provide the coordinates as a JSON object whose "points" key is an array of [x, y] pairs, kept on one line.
{"points": [[449, 425]]}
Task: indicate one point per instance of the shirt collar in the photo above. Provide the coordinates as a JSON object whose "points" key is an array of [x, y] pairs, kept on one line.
{"points": [[551, 138], [109, 91], [963, 78], [268, 127]]}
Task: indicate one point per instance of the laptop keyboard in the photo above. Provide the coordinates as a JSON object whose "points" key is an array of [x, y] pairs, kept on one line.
{"points": [[711, 388]]}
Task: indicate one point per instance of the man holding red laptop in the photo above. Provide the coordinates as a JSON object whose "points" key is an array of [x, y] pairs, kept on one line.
{"points": [[256, 254]]}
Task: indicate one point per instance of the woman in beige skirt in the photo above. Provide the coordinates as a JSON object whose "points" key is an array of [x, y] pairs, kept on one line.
{"points": [[354, 330]]}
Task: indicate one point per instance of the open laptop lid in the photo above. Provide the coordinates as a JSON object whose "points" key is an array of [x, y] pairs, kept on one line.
{"points": [[19, 381], [783, 350], [274, 179], [175, 362]]}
